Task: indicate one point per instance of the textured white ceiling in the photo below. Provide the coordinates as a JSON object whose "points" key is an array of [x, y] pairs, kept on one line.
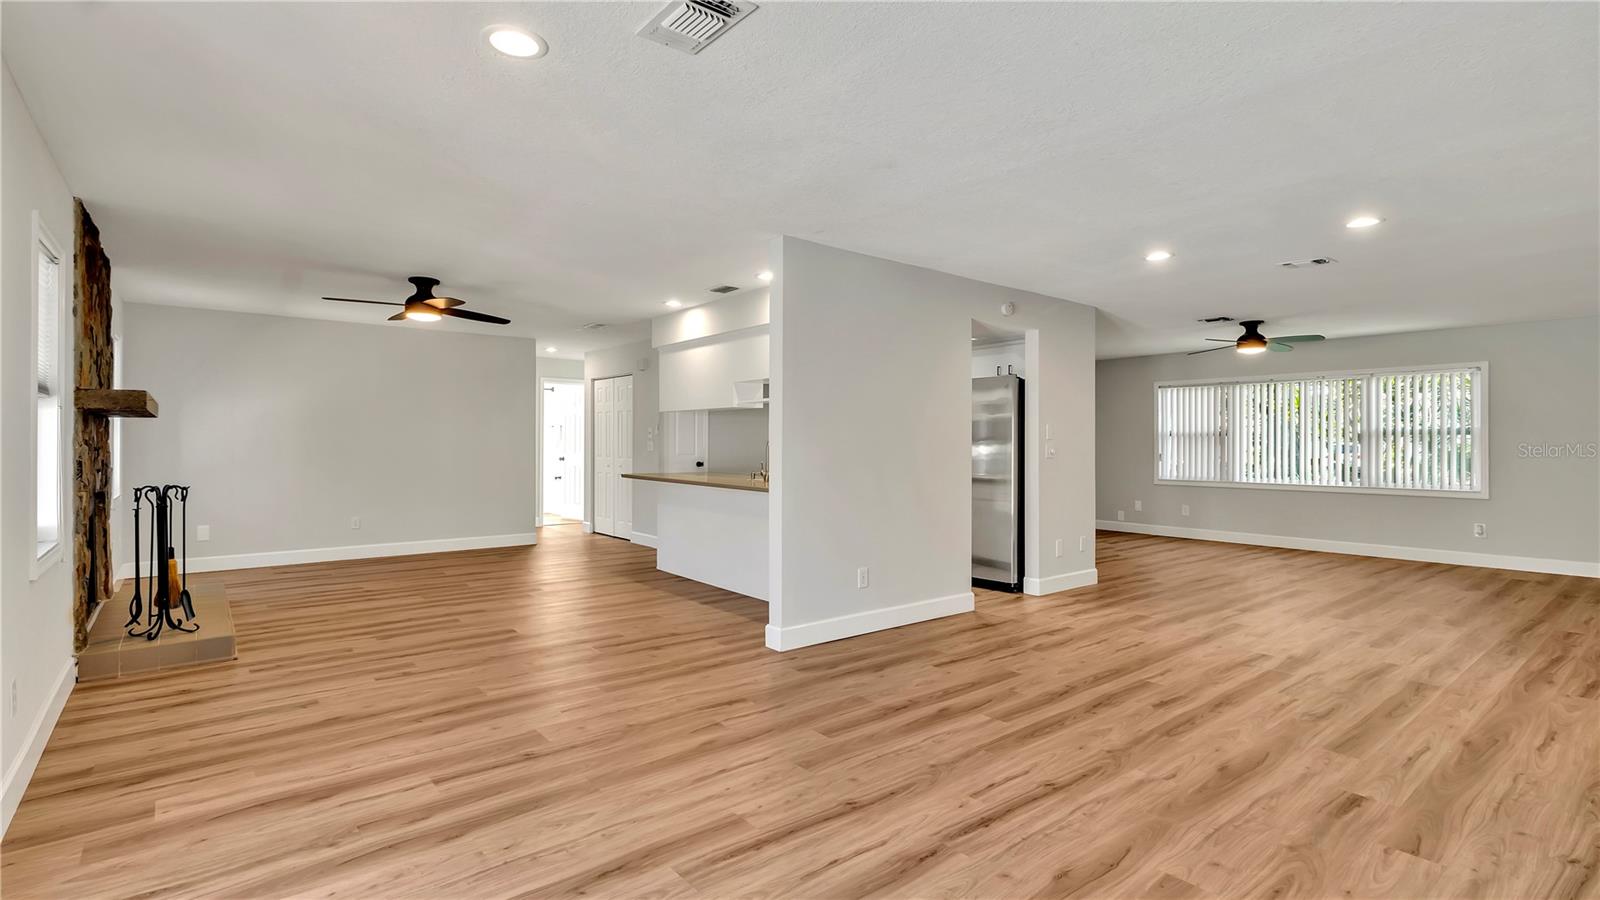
{"points": [[257, 156]]}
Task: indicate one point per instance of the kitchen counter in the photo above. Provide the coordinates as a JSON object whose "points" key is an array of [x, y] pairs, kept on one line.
{"points": [[703, 479], [716, 537]]}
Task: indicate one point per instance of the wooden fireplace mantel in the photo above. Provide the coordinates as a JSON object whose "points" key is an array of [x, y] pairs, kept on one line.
{"points": [[108, 402]]}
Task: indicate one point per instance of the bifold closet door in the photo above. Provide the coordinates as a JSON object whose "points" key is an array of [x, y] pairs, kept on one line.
{"points": [[613, 456]]}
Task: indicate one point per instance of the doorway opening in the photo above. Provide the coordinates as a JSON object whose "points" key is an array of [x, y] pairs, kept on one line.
{"points": [[999, 363], [563, 452]]}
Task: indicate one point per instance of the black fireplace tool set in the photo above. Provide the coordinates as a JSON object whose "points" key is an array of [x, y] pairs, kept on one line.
{"points": [[169, 581]]}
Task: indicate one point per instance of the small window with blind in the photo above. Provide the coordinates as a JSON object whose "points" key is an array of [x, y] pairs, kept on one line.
{"points": [[1381, 431], [48, 389]]}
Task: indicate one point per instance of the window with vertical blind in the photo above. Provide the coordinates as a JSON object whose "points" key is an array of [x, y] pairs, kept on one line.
{"points": [[1387, 431]]}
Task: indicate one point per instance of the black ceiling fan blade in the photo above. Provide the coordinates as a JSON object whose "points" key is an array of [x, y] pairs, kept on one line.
{"points": [[1223, 340], [474, 316], [1277, 347], [1209, 350], [443, 302], [398, 317], [376, 302], [1300, 338]]}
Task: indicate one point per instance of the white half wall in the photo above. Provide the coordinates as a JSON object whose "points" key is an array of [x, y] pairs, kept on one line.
{"points": [[1543, 509], [639, 360], [870, 424], [287, 429], [35, 613]]}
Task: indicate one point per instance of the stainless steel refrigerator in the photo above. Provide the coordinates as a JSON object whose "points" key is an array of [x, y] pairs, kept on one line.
{"points": [[997, 482]]}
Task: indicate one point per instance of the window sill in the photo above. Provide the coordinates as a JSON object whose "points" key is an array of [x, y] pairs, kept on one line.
{"points": [[44, 560], [1331, 489]]}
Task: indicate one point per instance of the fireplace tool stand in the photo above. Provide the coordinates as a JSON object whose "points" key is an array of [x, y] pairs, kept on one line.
{"points": [[169, 581]]}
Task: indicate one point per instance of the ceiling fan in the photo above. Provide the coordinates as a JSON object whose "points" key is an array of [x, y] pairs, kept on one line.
{"points": [[423, 306], [1253, 341]]}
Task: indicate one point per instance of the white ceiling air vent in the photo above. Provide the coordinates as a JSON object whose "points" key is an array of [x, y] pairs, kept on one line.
{"points": [[1306, 263], [691, 25], [593, 326]]}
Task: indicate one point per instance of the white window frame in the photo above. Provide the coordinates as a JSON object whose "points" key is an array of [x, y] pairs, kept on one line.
{"points": [[42, 563], [1480, 433]]}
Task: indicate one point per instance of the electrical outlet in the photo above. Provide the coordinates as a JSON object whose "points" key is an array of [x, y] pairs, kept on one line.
{"points": [[862, 577], [355, 521], [1183, 510], [1479, 530], [202, 532], [1058, 546], [1120, 516], [1083, 543], [1049, 452], [1138, 506]]}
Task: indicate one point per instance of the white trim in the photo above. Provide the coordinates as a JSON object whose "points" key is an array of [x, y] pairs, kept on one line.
{"points": [[1039, 587], [21, 771], [355, 551], [1439, 493], [588, 527], [793, 637], [1354, 548], [645, 539]]}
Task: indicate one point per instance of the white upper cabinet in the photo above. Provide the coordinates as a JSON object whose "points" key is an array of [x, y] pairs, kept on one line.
{"points": [[707, 351]]}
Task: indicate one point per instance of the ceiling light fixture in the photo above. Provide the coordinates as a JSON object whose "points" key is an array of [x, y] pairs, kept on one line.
{"points": [[422, 315], [1362, 222], [517, 43], [549, 349], [765, 276], [674, 303], [1158, 256]]}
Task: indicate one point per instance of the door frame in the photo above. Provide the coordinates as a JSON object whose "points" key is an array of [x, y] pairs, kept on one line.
{"points": [[592, 523], [583, 421]]}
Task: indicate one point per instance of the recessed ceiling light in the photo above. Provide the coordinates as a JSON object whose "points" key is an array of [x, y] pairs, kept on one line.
{"points": [[515, 42], [549, 349], [1362, 222], [674, 303], [1158, 256], [766, 276]]}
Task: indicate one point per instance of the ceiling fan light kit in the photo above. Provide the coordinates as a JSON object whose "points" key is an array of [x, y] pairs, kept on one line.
{"points": [[1253, 341], [423, 306]]}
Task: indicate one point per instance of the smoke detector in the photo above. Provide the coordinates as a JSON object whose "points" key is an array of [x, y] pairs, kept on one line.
{"points": [[691, 25], [1305, 263]]}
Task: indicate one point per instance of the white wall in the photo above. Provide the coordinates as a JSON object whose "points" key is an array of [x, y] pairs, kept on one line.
{"points": [[736, 440], [286, 428], [872, 459], [1544, 388], [707, 349], [639, 360], [35, 615]]}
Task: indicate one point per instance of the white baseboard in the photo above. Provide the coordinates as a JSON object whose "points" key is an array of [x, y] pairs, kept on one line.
{"points": [[644, 539], [588, 527], [21, 771], [1355, 548], [793, 637], [355, 551], [1038, 587]]}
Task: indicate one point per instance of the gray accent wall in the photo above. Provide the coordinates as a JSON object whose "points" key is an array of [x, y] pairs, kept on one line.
{"points": [[287, 428], [1544, 391]]}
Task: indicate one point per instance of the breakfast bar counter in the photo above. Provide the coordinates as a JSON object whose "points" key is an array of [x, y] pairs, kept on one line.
{"points": [[712, 528]]}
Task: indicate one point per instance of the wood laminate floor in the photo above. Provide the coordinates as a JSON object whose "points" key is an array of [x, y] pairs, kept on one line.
{"points": [[1211, 720]]}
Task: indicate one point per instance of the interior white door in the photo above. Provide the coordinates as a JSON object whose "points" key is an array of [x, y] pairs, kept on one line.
{"points": [[613, 456], [563, 450]]}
